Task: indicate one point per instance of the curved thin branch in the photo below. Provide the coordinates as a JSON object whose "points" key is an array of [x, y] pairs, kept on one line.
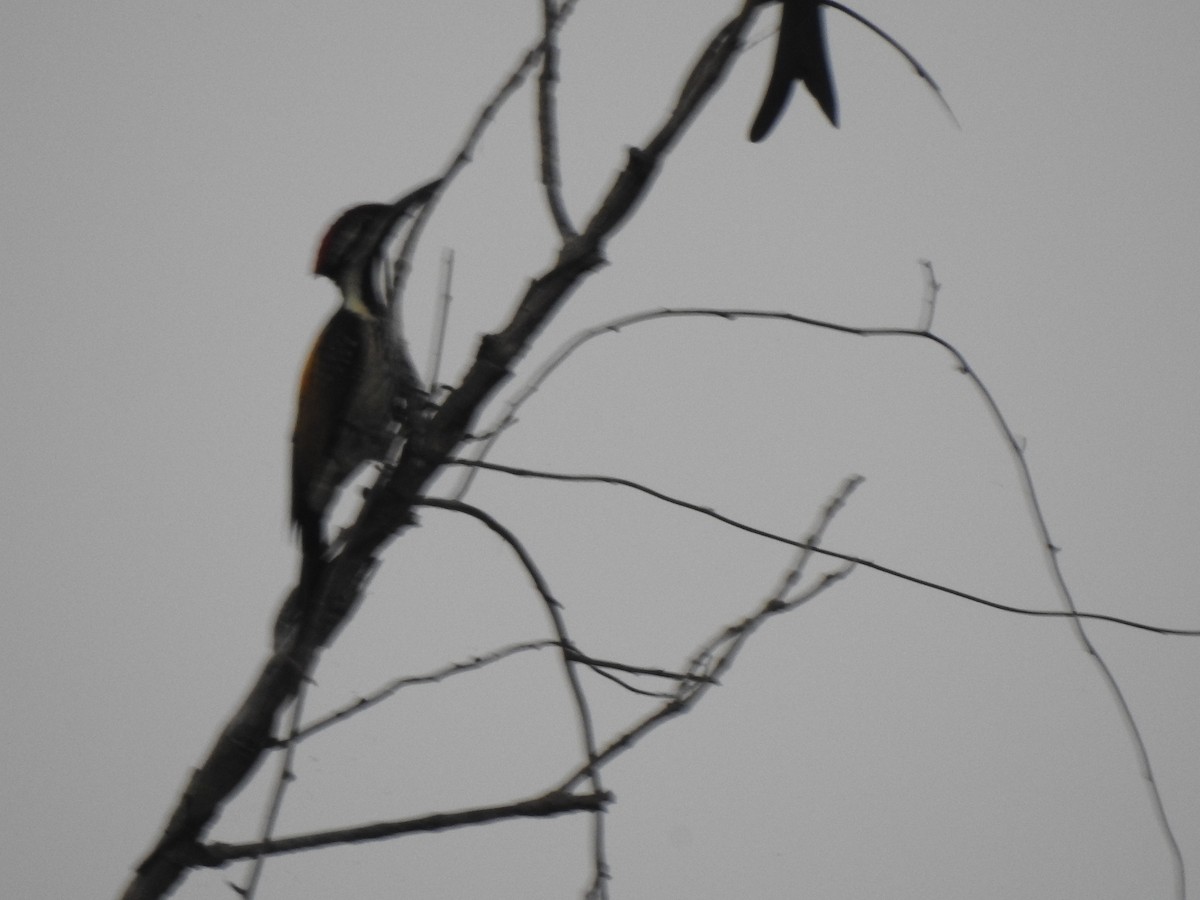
{"points": [[823, 551], [554, 610], [1025, 475], [899, 48]]}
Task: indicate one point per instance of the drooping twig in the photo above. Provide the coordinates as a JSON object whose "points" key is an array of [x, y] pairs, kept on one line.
{"points": [[554, 611], [1050, 551], [823, 551], [899, 48]]}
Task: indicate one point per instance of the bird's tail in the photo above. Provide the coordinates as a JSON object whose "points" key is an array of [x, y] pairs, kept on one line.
{"points": [[300, 606], [312, 554]]}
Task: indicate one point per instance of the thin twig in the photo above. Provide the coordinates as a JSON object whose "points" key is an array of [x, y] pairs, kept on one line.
{"points": [[706, 661], [548, 120], [408, 378], [470, 142], [388, 690], [824, 551], [931, 293], [603, 673], [439, 328], [592, 663], [554, 803], [898, 47], [362, 704], [1050, 550], [734, 638], [835, 505], [282, 780], [554, 610]]}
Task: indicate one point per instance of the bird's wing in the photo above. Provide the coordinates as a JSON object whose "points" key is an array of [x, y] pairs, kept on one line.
{"points": [[333, 367]]}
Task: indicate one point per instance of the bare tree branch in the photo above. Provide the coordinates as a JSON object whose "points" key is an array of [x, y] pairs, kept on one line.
{"points": [[283, 778], [1050, 550], [548, 118], [596, 664], [437, 433], [387, 510], [362, 704], [554, 610], [439, 328], [921, 71], [931, 293], [391, 688], [823, 551], [1026, 477], [711, 660], [553, 803]]}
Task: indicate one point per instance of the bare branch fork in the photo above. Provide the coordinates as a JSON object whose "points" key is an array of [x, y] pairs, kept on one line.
{"points": [[387, 510], [711, 660], [434, 436], [569, 659], [392, 687], [1014, 445], [364, 703], [715, 657]]}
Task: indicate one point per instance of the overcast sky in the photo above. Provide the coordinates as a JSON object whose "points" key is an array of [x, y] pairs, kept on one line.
{"points": [[168, 169]]}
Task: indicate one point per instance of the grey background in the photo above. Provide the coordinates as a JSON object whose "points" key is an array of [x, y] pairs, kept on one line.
{"points": [[168, 168]]}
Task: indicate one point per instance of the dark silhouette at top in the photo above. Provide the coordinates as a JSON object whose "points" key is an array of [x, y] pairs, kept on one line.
{"points": [[800, 55]]}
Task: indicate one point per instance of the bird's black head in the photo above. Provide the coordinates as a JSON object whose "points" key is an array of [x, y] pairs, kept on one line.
{"points": [[356, 235], [351, 240]]}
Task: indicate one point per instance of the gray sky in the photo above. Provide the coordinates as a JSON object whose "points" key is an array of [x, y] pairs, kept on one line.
{"points": [[168, 171]]}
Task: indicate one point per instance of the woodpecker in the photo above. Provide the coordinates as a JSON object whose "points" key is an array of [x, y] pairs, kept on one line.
{"points": [[801, 54], [344, 408]]}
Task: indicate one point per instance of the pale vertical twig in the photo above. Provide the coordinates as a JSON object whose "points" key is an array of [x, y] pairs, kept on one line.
{"points": [[548, 121], [439, 328], [570, 658], [283, 779]]}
